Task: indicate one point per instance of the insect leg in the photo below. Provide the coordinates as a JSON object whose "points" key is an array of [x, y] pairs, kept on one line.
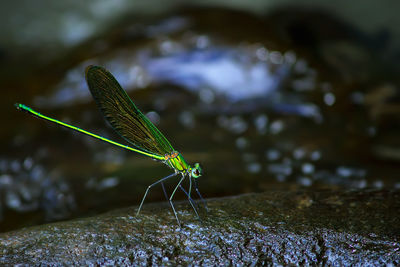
{"points": [[172, 195], [198, 193], [165, 192], [190, 185], [191, 201], [150, 186]]}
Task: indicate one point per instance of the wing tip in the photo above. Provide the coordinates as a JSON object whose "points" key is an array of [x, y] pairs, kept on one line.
{"points": [[93, 71], [89, 68]]}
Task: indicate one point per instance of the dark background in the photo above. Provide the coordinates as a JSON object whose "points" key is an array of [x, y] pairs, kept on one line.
{"points": [[265, 95]]}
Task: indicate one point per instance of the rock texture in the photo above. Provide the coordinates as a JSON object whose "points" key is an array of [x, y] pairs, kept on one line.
{"points": [[306, 228]]}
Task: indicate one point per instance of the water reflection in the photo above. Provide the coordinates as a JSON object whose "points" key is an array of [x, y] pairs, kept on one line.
{"points": [[27, 186], [216, 70], [231, 72], [103, 184]]}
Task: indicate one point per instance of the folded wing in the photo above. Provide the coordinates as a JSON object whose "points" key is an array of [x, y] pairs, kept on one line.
{"points": [[124, 117]]}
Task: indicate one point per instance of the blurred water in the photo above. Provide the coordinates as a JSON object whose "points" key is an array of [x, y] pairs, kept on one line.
{"points": [[28, 187], [233, 72]]}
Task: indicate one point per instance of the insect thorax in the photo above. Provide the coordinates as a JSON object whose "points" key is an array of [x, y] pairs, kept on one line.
{"points": [[175, 161]]}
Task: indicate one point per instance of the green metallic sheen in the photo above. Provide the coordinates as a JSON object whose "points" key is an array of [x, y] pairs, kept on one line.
{"points": [[177, 162], [130, 123], [39, 115]]}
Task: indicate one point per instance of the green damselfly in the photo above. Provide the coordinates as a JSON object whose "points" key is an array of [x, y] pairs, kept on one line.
{"points": [[130, 123]]}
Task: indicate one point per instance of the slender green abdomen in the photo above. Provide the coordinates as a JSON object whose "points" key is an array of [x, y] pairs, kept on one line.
{"points": [[37, 114]]}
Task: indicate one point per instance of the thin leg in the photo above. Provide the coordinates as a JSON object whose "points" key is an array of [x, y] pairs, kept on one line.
{"points": [[163, 189], [190, 185], [150, 186], [172, 195], [189, 197], [198, 193], [191, 201]]}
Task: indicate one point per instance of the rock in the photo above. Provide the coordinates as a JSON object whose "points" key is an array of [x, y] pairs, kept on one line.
{"points": [[302, 228]]}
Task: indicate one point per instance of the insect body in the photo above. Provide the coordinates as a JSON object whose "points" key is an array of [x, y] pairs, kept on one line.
{"points": [[130, 123]]}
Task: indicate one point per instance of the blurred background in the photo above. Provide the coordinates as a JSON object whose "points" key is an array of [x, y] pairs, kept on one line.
{"points": [[266, 95]]}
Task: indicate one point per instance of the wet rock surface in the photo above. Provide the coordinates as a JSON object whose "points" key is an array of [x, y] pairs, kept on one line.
{"points": [[324, 227]]}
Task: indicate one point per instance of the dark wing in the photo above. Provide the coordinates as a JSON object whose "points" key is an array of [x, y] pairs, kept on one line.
{"points": [[123, 115]]}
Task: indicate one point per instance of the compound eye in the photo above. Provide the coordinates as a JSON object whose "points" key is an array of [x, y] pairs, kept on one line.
{"points": [[196, 171]]}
